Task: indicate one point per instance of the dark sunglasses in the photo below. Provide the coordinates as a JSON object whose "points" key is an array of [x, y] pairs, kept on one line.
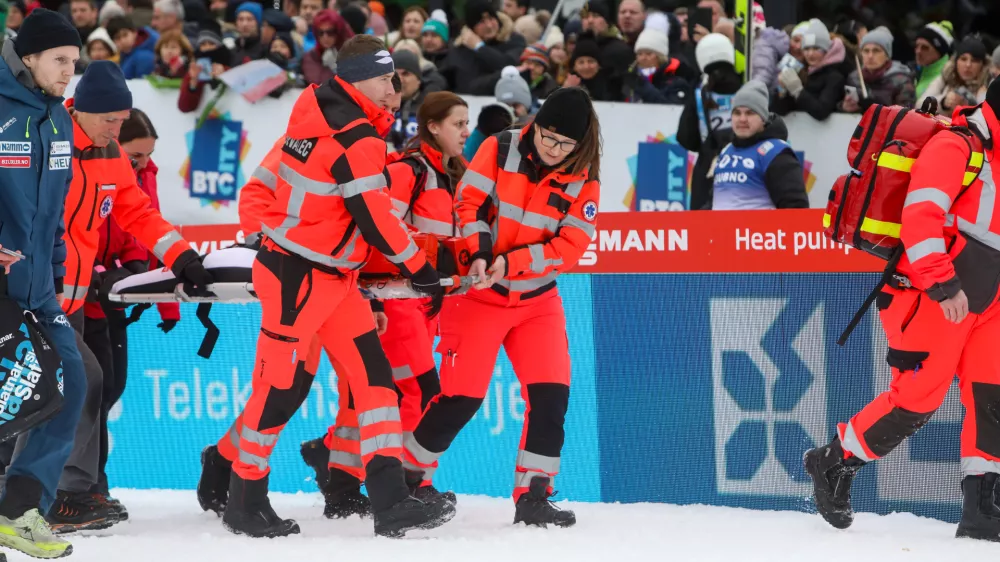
{"points": [[326, 33]]}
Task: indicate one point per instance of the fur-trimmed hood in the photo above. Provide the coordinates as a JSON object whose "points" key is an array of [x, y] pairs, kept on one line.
{"points": [[506, 29]]}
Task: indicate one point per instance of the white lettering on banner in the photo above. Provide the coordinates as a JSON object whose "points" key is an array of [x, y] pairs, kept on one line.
{"points": [[746, 240], [648, 241], [211, 183], [932, 480], [747, 406], [657, 205], [207, 246], [625, 127]]}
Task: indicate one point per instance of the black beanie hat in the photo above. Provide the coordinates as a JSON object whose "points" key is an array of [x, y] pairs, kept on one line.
{"points": [[973, 46], [102, 89], [476, 9], [44, 30], [355, 18], [566, 112], [586, 46], [600, 8]]}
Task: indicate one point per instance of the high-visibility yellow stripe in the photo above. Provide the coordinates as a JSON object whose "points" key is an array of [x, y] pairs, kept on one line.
{"points": [[969, 178], [826, 220], [977, 160], [895, 162], [873, 226]]}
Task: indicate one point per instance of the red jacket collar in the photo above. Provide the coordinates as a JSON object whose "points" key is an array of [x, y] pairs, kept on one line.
{"points": [[378, 117], [433, 156]]}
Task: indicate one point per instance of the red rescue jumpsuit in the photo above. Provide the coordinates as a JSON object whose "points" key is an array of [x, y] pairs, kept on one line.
{"points": [[422, 195], [331, 206], [952, 243], [542, 225]]}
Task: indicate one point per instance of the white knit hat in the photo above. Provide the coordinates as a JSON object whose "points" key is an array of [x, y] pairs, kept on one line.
{"points": [[101, 34], [653, 40], [713, 48], [511, 88]]}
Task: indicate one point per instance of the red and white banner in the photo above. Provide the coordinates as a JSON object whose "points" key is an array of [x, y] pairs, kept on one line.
{"points": [[789, 241]]}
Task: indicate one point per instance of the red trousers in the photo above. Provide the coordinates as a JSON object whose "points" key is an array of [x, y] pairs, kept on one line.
{"points": [[925, 352], [409, 344], [473, 328], [303, 308]]}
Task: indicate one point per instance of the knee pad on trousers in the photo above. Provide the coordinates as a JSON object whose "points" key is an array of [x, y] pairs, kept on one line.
{"points": [[986, 398], [430, 386], [376, 363], [547, 418], [281, 404], [444, 418], [889, 431]]}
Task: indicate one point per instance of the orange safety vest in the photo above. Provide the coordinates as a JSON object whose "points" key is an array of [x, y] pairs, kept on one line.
{"points": [[331, 201], [104, 185], [422, 192], [541, 225]]}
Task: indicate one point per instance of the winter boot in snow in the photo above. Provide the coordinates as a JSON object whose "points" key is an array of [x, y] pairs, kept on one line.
{"points": [[832, 476], [213, 487], [249, 512], [414, 479], [412, 513], [980, 509], [79, 511], [31, 535], [343, 496], [535, 507], [317, 457]]}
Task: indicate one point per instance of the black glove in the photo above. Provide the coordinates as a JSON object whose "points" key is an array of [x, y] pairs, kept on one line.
{"points": [[189, 270], [427, 280], [108, 280], [167, 325], [136, 266], [253, 240]]}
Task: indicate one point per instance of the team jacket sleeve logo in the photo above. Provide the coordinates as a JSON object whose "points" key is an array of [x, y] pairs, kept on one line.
{"points": [[300, 149]]}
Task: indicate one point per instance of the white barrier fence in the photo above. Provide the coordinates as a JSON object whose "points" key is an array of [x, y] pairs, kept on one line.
{"points": [[202, 169]]}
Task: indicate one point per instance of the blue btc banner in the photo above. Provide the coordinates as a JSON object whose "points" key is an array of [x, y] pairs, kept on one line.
{"points": [[214, 170], [686, 389], [661, 177]]}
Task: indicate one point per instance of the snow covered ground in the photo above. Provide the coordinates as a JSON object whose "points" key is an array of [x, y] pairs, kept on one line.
{"points": [[169, 526]]}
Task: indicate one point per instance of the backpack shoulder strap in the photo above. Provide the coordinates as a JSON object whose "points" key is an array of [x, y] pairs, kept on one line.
{"points": [[411, 159], [973, 140]]}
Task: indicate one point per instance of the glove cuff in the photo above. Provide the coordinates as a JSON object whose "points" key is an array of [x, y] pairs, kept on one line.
{"points": [[58, 284], [377, 306], [186, 258], [426, 276]]}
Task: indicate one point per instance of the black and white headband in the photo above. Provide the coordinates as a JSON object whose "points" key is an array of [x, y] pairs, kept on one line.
{"points": [[363, 67]]}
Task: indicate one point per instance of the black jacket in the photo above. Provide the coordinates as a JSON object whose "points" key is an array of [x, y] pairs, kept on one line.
{"points": [[784, 178], [476, 72], [821, 92], [670, 84]]}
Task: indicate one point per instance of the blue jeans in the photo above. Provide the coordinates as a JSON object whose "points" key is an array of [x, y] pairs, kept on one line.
{"points": [[49, 445]]}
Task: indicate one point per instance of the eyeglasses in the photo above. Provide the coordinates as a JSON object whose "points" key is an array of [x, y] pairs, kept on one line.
{"points": [[326, 32], [552, 142]]}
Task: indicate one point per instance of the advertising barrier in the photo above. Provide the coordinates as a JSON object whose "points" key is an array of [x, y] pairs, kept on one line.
{"points": [[704, 364], [642, 166]]}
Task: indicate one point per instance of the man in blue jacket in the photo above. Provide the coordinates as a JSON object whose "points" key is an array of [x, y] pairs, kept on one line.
{"points": [[36, 149]]}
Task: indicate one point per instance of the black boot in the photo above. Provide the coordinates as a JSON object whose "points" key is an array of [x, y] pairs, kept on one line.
{"points": [[79, 511], [213, 487], [249, 511], [343, 496], [535, 508], [426, 493], [980, 508], [317, 457], [832, 476], [412, 513]]}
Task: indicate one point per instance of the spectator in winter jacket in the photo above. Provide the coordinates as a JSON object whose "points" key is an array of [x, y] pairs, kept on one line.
{"points": [[101, 47], [412, 26], [631, 17], [108, 11], [136, 46], [84, 15], [168, 15], [535, 71], [413, 93], [616, 56], [795, 41], [434, 38], [888, 82], [485, 46], [758, 169], [274, 21], [656, 77], [331, 31], [173, 54], [530, 27], [281, 51], [964, 80], [513, 90], [431, 78], [516, 8], [16, 12], [819, 88], [769, 47], [705, 126], [587, 71], [304, 22], [933, 47], [211, 59], [249, 47]]}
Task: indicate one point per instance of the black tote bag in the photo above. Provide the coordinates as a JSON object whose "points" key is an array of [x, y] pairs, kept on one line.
{"points": [[31, 380]]}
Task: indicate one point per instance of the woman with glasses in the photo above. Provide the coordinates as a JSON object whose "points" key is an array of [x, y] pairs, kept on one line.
{"points": [[527, 207], [331, 31]]}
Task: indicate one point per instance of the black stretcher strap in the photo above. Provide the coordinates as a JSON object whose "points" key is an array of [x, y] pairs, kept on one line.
{"points": [[211, 330]]}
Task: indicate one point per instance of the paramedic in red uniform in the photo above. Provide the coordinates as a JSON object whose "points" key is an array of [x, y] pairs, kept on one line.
{"points": [[527, 208], [941, 317], [331, 207], [104, 185], [423, 180]]}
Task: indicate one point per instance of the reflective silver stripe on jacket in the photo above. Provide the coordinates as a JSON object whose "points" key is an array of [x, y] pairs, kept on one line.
{"points": [[165, 243], [73, 292], [526, 285], [539, 263], [322, 259], [266, 177]]}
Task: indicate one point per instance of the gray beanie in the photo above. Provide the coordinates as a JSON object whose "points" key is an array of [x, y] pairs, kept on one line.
{"points": [[753, 96], [511, 88], [880, 36], [996, 56], [816, 35]]}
